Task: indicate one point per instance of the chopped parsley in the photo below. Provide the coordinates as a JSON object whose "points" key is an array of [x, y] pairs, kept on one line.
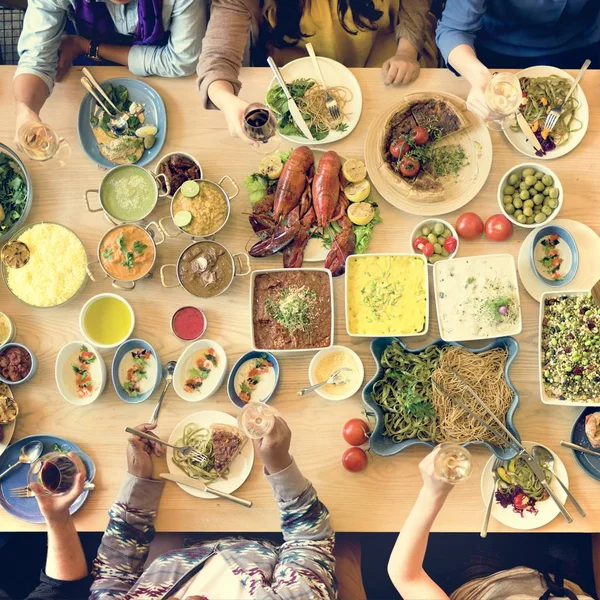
{"points": [[293, 308]]}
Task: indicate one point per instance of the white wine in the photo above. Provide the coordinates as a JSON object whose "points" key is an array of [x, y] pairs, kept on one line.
{"points": [[503, 94], [453, 463], [38, 141], [256, 420]]}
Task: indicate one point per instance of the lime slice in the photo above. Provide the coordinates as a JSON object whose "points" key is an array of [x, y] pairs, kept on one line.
{"points": [[190, 189], [182, 218], [271, 166], [357, 192], [354, 170], [361, 213]]}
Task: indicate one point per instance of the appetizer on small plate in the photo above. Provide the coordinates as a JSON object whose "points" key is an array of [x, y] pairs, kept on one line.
{"points": [[80, 373], [136, 371], [253, 378]]}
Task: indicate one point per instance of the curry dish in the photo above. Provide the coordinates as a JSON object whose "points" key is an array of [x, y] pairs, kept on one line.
{"points": [[127, 252], [205, 269], [208, 209]]}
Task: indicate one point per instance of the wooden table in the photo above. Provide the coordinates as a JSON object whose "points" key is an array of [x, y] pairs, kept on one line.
{"points": [[377, 499]]}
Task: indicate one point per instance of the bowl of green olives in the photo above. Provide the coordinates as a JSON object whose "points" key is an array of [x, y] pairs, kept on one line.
{"points": [[530, 195], [435, 239]]}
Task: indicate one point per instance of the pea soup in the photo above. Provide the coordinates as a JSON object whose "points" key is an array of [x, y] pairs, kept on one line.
{"points": [[128, 193]]}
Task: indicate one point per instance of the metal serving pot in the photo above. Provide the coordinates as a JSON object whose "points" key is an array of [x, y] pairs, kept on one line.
{"points": [[157, 193], [240, 266], [152, 229], [175, 231]]}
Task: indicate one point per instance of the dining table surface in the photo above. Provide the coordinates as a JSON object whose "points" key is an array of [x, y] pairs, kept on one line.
{"points": [[375, 500]]}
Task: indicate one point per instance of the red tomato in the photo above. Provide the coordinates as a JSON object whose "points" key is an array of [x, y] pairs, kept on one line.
{"points": [[469, 226], [418, 243], [419, 135], [427, 249], [354, 460], [450, 244], [355, 432], [498, 228], [398, 148], [409, 167], [521, 501]]}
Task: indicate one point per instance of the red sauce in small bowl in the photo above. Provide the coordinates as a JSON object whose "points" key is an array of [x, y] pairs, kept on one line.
{"points": [[188, 323]]}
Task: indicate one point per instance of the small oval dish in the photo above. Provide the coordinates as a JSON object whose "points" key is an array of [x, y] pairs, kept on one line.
{"points": [[554, 257], [80, 373], [254, 377], [429, 227], [136, 371], [200, 371], [171, 165], [27, 357], [328, 360]]}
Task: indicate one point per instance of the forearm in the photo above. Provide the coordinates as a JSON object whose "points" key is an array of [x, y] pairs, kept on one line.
{"points": [[65, 560], [116, 54], [406, 49], [465, 61], [220, 93], [30, 92]]}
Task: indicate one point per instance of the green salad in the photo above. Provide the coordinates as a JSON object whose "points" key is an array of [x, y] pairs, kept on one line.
{"points": [[13, 193]]}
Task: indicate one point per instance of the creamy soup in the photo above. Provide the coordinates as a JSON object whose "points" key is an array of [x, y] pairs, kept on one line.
{"points": [[128, 193], [254, 380], [137, 372], [127, 252]]}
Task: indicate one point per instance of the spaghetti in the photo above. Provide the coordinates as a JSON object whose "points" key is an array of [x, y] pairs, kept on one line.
{"points": [[313, 105], [199, 438]]}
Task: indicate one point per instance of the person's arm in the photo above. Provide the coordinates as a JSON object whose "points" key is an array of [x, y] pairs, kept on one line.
{"points": [[126, 542], [405, 566], [465, 61]]}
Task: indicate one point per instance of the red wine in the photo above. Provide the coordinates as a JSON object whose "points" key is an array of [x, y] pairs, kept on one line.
{"points": [[58, 475], [257, 117], [260, 124]]}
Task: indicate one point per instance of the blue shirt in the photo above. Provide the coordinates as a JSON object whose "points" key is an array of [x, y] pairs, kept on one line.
{"points": [[45, 21], [519, 27]]}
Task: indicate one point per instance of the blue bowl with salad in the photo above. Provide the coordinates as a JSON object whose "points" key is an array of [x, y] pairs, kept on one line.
{"points": [[415, 394], [554, 257], [15, 193]]}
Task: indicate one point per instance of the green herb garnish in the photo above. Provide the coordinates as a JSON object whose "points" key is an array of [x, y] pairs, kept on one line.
{"points": [[108, 254], [139, 247], [293, 308]]}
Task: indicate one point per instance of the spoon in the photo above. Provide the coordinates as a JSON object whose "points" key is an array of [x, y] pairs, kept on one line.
{"points": [[118, 118], [167, 374], [545, 458], [29, 453], [336, 378]]}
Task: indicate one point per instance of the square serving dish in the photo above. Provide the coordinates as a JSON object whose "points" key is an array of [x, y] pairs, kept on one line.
{"points": [[253, 277]]}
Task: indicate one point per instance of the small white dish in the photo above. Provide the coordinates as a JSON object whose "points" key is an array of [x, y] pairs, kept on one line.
{"points": [[187, 362], [416, 232], [320, 356], [86, 307], [65, 376]]}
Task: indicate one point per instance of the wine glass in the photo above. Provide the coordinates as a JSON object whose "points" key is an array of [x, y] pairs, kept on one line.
{"points": [[256, 420], [41, 143], [453, 463], [54, 472], [503, 97], [260, 125]]}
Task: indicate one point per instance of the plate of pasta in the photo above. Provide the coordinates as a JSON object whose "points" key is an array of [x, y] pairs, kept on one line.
{"points": [[543, 88], [215, 434]]}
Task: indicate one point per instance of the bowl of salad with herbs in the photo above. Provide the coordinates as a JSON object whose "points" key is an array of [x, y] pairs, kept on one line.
{"points": [[15, 192]]}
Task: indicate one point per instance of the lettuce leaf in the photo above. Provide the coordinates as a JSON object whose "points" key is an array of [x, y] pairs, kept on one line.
{"points": [[256, 185], [364, 233]]}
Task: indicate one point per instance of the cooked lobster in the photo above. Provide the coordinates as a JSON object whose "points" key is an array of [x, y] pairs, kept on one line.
{"points": [[342, 246], [326, 187], [292, 182]]}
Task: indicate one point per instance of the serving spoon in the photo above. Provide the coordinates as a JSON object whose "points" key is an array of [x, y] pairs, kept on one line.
{"points": [[336, 378], [118, 118], [29, 453], [167, 374]]}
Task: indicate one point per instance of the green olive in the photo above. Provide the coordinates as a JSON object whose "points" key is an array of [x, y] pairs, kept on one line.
{"points": [[547, 210], [528, 203], [437, 248], [522, 219], [524, 195], [546, 191], [552, 203], [441, 239], [540, 217], [518, 203], [448, 233], [539, 186], [530, 220], [445, 253], [530, 180], [513, 179], [509, 208], [435, 257], [538, 175], [507, 199], [425, 231], [538, 199], [547, 180], [527, 172], [553, 192], [528, 211], [518, 213], [432, 238], [524, 186], [508, 190], [438, 228]]}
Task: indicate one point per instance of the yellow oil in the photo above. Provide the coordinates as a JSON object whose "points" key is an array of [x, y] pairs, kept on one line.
{"points": [[107, 321]]}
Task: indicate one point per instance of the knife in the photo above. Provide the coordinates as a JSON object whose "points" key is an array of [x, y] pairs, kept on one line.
{"points": [[524, 125], [293, 108], [535, 466], [579, 448], [198, 485]]}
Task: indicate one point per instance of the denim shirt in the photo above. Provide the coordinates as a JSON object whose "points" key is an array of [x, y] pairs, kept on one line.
{"points": [[45, 21]]}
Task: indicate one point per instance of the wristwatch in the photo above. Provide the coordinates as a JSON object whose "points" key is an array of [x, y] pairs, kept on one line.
{"points": [[93, 51]]}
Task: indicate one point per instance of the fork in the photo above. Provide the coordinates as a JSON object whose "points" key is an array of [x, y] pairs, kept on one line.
{"points": [[330, 102], [185, 450], [488, 510], [554, 114], [24, 491]]}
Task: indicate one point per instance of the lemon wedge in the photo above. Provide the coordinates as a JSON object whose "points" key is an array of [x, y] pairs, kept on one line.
{"points": [[361, 213], [354, 170], [271, 166], [357, 192]]}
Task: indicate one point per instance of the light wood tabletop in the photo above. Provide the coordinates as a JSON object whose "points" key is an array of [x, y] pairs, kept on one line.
{"points": [[379, 498]]}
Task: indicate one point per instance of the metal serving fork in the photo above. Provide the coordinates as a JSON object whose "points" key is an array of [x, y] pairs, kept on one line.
{"points": [[330, 102], [488, 509], [185, 450], [25, 492], [554, 114]]}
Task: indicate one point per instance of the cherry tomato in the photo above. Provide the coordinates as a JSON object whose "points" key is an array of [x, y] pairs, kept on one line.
{"points": [[355, 432], [469, 226], [398, 148], [498, 228], [409, 167], [521, 501], [418, 243], [450, 244], [427, 249], [354, 460], [419, 135]]}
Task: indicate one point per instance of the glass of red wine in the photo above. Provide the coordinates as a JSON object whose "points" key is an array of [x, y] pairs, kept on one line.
{"points": [[54, 472], [260, 125]]}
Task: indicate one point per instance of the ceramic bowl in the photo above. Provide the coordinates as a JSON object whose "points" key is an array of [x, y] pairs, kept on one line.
{"points": [[84, 310], [568, 239], [63, 370], [313, 368], [33, 364], [165, 158], [416, 232], [122, 350], [249, 356]]}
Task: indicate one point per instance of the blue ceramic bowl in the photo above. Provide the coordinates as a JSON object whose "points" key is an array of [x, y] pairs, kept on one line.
{"points": [[33, 364], [248, 356], [122, 350], [386, 446], [154, 110], [567, 238], [588, 462]]}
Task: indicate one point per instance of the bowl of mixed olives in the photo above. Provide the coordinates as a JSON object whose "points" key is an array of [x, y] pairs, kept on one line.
{"points": [[530, 195]]}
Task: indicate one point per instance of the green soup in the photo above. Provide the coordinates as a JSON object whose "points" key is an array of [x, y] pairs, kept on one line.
{"points": [[128, 193]]}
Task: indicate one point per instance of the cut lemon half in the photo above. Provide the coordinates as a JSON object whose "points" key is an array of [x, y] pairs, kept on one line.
{"points": [[357, 192], [361, 213], [354, 170], [271, 166], [182, 218], [190, 189]]}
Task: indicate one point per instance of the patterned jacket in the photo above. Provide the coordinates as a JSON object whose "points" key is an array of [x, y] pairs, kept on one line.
{"points": [[302, 568]]}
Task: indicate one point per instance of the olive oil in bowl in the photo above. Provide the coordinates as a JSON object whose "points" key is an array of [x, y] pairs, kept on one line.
{"points": [[106, 320]]}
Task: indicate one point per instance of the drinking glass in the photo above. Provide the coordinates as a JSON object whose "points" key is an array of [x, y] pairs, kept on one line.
{"points": [[41, 143], [453, 463], [260, 124], [256, 420], [503, 97], [54, 472]]}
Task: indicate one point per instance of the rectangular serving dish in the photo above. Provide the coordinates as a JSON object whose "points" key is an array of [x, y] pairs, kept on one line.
{"points": [[292, 350], [426, 279], [442, 264], [545, 397]]}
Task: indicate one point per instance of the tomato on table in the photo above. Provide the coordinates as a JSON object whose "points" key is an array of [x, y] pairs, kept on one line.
{"points": [[469, 226], [355, 432], [498, 228], [354, 460]]}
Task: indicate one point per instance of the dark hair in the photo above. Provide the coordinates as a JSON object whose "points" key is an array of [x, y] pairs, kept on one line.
{"points": [[287, 31]]}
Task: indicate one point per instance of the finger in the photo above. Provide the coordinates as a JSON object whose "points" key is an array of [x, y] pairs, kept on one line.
{"points": [[391, 74], [37, 489], [146, 427], [410, 76], [77, 462], [400, 76], [76, 490], [386, 67]]}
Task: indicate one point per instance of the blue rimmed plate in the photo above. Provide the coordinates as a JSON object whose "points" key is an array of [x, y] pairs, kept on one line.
{"points": [[27, 509], [154, 111], [386, 446], [253, 354], [122, 350], [588, 462]]}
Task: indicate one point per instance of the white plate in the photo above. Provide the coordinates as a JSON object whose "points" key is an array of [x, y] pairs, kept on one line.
{"points": [[587, 273], [10, 428], [186, 361], [518, 139], [334, 74], [62, 370], [240, 467], [547, 509]]}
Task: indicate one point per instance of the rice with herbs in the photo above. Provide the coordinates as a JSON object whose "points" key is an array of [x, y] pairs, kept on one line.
{"points": [[56, 268]]}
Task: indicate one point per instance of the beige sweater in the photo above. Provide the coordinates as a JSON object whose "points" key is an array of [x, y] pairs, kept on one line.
{"points": [[232, 21]]}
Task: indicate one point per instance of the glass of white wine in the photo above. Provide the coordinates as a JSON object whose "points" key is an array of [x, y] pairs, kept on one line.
{"points": [[41, 143], [453, 463], [503, 97], [256, 420]]}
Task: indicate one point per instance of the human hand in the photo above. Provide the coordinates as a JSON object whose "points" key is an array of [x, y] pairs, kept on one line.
{"points": [[23, 115], [233, 108], [431, 482], [140, 451], [70, 48], [400, 69], [476, 102], [274, 448], [55, 509]]}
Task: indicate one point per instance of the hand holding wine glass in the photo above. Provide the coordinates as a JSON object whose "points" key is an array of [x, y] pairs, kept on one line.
{"points": [[274, 447]]}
